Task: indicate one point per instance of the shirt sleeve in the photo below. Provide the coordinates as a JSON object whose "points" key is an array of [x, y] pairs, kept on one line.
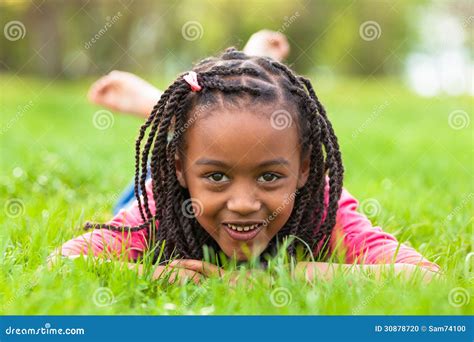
{"points": [[114, 243], [363, 243]]}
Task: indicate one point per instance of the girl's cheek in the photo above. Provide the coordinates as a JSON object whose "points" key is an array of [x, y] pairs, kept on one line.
{"points": [[281, 212]]}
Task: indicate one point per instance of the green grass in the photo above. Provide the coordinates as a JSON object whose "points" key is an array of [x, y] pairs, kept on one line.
{"points": [[398, 149]]}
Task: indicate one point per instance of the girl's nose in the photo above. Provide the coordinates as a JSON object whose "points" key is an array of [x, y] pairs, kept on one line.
{"points": [[244, 204]]}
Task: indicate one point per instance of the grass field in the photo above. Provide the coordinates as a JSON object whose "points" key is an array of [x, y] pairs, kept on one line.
{"points": [[408, 160]]}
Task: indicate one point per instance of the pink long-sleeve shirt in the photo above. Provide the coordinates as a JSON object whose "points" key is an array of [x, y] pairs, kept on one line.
{"points": [[353, 234]]}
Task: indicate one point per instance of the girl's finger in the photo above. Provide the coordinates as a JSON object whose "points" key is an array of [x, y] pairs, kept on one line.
{"points": [[202, 267], [184, 275]]}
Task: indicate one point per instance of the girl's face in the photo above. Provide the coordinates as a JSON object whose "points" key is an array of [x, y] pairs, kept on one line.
{"points": [[240, 170]]}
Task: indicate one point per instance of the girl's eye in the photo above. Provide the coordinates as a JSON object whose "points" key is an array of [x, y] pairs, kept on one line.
{"points": [[219, 177], [216, 177], [269, 177]]}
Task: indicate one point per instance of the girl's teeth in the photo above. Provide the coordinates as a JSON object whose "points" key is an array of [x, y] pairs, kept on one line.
{"points": [[242, 228]]}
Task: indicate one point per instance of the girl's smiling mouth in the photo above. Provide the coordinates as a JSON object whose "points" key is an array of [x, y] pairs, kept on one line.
{"points": [[243, 232]]}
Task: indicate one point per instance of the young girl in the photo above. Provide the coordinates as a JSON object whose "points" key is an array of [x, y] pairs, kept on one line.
{"points": [[242, 154]]}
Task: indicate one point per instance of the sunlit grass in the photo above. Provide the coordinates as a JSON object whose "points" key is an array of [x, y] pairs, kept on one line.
{"points": [[59, 170]]}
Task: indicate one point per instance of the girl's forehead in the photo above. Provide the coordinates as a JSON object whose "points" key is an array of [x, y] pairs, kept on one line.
{"points": [[243, 136]]}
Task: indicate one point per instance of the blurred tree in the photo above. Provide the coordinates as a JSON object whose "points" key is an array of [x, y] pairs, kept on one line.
{"points": [[74, 38]]}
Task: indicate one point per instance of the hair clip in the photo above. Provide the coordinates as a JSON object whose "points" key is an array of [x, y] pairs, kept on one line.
{"points": [[191, 79]]}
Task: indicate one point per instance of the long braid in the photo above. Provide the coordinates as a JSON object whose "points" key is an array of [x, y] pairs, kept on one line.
{"points": [[268, 82], [152, 118]]}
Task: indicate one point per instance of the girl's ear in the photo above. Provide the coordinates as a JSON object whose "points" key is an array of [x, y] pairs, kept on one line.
{"points": [[179, 170], [304, 171]]}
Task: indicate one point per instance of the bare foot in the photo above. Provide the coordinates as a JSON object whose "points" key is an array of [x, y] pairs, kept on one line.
{"points": [[268, 43], [124, 92]]}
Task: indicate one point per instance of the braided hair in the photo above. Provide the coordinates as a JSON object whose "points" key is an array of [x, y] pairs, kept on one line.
{"points": [[232, 79]]}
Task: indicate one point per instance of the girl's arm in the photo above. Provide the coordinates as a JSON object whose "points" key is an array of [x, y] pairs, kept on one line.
{"points": [[113, 243], [356, 241], [180, 275], [327, 271]]}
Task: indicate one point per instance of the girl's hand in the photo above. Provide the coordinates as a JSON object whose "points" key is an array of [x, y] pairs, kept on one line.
{"points": [[311, 271], [408, 271], [182, 275], [209, 270], [201, 267], [124, 92]]}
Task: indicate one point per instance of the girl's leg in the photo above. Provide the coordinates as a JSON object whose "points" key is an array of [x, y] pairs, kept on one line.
{"points": [[124, 92], [127, 197], [268, 43]]}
